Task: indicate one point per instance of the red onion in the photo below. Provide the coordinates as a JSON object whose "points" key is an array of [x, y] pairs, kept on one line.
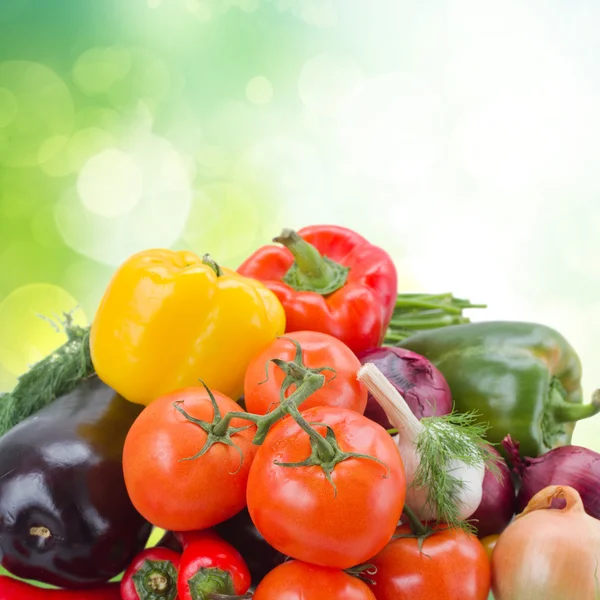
{"points": [[571, 466], [420, 383], [498, 503]]}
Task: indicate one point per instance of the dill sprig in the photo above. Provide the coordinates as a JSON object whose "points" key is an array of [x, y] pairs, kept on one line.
{"points": [[53, 376], [447, 443]]}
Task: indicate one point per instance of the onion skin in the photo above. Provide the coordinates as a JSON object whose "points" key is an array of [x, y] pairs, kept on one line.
{"points": [[571, 466], [548, 553], [420, 383], [498, 503]]}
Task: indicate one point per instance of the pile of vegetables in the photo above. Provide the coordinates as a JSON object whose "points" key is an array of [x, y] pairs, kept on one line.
{"points": [[296, 429]]}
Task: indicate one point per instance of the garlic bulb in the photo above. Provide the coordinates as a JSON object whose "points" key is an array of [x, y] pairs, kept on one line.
{"points": [[444, 457]]}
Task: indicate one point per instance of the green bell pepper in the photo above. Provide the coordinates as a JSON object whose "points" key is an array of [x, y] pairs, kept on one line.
{"points": [[523, 379]]}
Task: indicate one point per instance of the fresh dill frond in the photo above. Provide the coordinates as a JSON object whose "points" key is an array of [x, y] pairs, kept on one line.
{"points": [[445, 442], [53, 376]]}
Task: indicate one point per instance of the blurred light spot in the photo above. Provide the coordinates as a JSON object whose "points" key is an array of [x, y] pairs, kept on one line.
{"points": [[97, 69], [156, 220], [154, 3], [534, 136], [126, 76], [99, 117], [224, 221], [259, 90], [236, 124], [148, 81], [246, 5], [60, 156], [45, 110], [320, 13], [110, 183], [26, 336], [391, 129], [84, 144], [52, 158], [325, 80], [213, 161], [200, 10], [287, 162], [9, 107], [189, 163], [289, 171], [88, 280]]}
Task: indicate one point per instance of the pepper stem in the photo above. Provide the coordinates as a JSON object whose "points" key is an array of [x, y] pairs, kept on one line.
{"points": [[208, 260], [311, 272], [567, 412], [156, 580], [208, 581]]}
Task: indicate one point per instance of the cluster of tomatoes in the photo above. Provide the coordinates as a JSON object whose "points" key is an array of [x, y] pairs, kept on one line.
{"points": [[323, 485]]}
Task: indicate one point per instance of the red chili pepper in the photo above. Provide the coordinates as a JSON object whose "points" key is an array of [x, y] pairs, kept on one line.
{"points": [[330, 279], [152, 575], [13, 589], [210, 567]]}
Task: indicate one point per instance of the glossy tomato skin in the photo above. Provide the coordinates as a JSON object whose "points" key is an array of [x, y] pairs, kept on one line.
{"points": [[296, 580], [341, 388], [297, 510], [211, 552], [186, 495], [452, 565]]}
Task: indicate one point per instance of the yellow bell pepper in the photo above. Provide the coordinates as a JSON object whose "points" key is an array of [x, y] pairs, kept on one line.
{"points": [[168, 319]]}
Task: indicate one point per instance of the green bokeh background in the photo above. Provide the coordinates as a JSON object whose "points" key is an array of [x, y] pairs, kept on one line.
{"points": [[461, 136]]}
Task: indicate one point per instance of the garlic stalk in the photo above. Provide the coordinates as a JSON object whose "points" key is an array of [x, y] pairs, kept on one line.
{"points": [[444, 457]]}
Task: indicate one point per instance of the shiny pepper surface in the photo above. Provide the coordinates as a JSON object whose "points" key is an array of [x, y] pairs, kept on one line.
{"points": [[168, 319], [332, 280], [523, 379]]}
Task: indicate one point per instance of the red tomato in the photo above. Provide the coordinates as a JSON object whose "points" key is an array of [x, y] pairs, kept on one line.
{"points": [[211, 565], [184, 495], [153, 572], [341, 388], [452, 565], [295, 580], [296, 508]]}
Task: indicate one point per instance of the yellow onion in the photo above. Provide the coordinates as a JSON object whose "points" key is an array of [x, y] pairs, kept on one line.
{"points": [[549, 553]]}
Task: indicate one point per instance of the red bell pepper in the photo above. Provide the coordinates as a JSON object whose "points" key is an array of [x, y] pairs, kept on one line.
{"points": [[329, 279], [14, 589]]}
